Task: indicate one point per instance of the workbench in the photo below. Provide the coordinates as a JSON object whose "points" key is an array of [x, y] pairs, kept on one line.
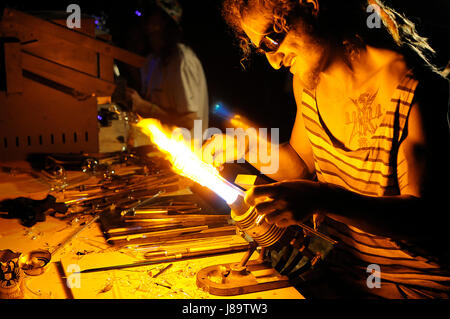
{"points": [[90, 249]]}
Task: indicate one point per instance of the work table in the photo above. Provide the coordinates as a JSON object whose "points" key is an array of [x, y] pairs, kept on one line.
{"points": [[91, 250]]}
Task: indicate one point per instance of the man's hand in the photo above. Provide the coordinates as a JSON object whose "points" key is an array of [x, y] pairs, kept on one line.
{"points": [[133, 97], [287, 203], [222, 148]]}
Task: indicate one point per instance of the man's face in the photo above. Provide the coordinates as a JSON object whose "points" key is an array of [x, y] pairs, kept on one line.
{"points": [[299, 51], [154, 30]]}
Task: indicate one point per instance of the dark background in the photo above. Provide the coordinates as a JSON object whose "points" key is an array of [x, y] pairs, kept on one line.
{"points": [[258, 92]]}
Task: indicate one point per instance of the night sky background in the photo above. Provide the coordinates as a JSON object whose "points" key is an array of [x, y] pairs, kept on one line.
{"points": [[258, 92]]}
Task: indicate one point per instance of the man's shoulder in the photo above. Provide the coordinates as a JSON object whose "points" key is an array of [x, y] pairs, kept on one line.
{"points": [[398, 70], [186, 52], [397, 67]]}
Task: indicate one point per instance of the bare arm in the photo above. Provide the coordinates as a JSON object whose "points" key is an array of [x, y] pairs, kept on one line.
{"points": [[290, 165], [148, 109], [292, 160]]}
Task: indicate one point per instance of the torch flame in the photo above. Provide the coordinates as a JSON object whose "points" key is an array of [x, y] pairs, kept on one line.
{"points": [[185, 162]]}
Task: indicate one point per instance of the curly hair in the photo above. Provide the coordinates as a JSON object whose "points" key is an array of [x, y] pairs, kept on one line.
{"points": [[342, 23], [282, 10]]}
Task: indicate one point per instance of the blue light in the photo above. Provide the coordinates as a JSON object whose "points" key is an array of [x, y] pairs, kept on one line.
{"points": [[99, 117], [138, 13], [96, 21], [221, 111]]}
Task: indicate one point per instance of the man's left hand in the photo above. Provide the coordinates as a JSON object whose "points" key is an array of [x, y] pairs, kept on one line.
{"points": [[287, 203]]}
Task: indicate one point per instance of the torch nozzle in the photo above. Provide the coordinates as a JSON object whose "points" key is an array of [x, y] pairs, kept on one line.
{"points": [[239, 206]]}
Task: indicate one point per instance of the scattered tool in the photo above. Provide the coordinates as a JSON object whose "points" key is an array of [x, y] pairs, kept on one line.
{"points": [[44, 257], [31, 211], [168, 259], [140, 203], [162, 270]]}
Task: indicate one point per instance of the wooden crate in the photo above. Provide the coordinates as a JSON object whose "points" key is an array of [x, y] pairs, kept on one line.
{"points": [[50, 79]]}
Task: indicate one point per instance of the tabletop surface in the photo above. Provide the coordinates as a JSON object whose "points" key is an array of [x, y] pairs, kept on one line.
{"points": [[89, 249]]}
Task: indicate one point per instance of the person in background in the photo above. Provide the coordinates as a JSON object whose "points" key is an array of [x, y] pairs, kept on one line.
{"points": [[173, 83], [368, 157]]}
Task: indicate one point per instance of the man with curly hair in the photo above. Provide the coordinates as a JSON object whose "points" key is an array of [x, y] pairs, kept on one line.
{"points": [[369, 148]]}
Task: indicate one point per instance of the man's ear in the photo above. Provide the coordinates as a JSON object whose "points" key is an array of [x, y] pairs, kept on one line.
{"points": [[313, 3]]}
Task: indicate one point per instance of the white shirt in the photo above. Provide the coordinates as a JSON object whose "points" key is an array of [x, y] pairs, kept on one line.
{"points": [[179, 85]]}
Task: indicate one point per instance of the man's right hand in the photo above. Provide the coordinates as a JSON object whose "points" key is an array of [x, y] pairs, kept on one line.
{"points": [[222, 148], [133, 97]]}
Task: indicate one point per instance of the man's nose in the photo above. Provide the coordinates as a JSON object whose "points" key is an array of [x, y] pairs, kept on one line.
{"points": [[275, 59]]}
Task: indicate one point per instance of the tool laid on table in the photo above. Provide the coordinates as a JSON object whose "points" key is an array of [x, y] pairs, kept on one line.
{"points": [[172, 258], [160, 234], [158, 219], [35, 262], [31, 211], [162, 270], [139, 203], [149, 239]]}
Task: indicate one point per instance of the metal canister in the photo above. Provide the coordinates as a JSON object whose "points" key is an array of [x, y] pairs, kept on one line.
{"points": [[11, 275]]}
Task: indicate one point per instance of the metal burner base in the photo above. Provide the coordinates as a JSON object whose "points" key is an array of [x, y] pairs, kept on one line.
{"points": [[232, 279]]}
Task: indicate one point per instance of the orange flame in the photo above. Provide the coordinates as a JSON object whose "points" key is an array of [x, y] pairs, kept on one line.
{"points": [[185, 162]]}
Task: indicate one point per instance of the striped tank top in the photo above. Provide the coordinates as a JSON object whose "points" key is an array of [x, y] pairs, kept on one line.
{"points": [[372, 170]]}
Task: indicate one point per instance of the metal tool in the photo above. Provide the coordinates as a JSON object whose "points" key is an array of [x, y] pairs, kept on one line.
{"points": [[162, 270], [153, 218], [31, 211], [44, 256], [174, 258], [75, 234], [175, 244], [222, 247], [154, 240], [140, 203], [159, 234]]}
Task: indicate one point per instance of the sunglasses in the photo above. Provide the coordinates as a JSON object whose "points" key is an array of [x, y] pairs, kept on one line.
{"points": [[271, 42]]}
